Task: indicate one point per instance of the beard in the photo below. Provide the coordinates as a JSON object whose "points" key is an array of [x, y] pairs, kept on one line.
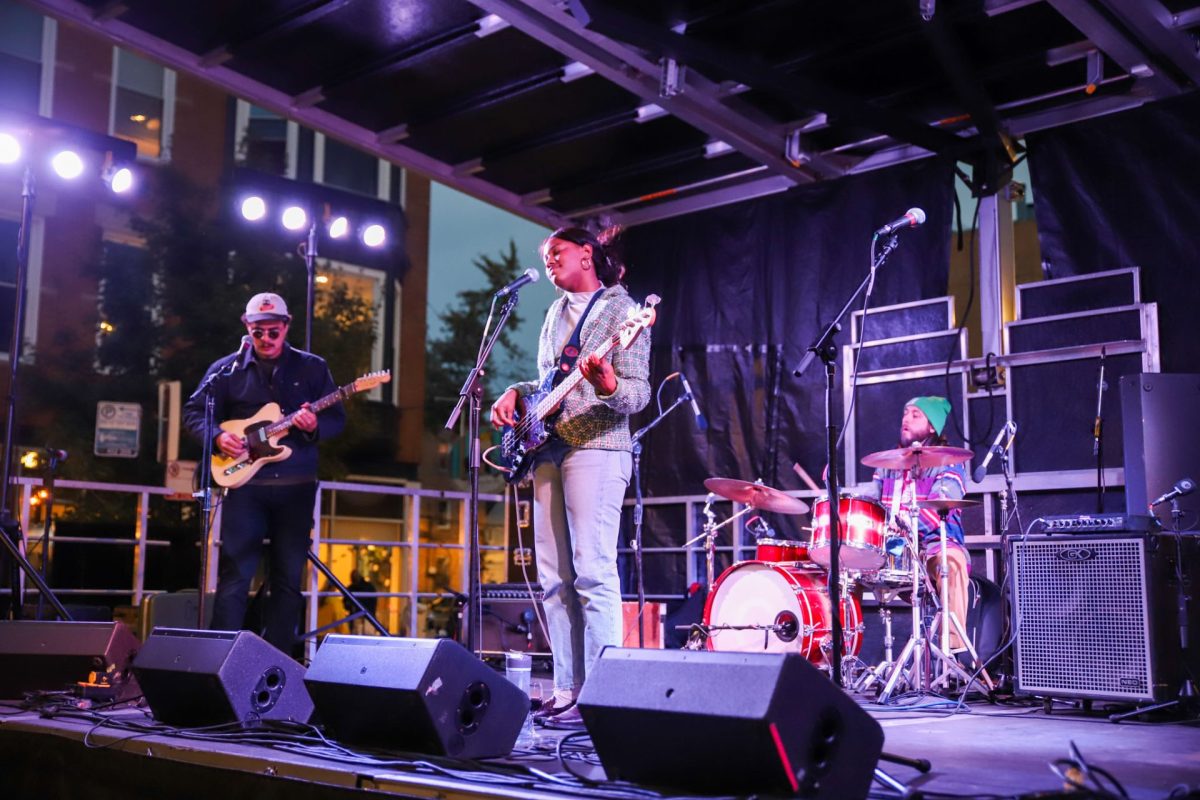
{"points": [[908, 438]]}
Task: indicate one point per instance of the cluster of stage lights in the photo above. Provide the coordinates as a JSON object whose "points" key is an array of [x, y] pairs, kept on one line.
{"points": [[67, 164], [296, 218]]}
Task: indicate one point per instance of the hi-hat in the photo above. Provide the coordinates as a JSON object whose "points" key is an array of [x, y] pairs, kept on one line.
{"points": [[756, 495], [918, 456], [946, 503]]}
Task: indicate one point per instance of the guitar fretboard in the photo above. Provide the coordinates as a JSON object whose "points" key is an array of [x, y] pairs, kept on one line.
{"points": [[552, 400]]}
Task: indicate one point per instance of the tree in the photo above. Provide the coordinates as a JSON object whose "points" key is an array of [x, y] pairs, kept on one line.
{"points": [[451, 356]]}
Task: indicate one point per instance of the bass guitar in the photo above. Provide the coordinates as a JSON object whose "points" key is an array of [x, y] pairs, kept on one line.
{"points": [[535, 423], [263, 431]]}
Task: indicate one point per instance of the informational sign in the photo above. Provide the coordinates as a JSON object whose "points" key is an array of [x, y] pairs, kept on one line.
{"points": [[118, 429], [180, 477]]}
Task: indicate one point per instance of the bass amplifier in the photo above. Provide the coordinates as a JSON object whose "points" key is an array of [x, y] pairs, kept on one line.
{"points": [[1098, 523], [1096, 616]]}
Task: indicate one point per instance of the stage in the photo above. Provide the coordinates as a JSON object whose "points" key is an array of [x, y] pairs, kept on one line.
{"points": [[982, 750]]}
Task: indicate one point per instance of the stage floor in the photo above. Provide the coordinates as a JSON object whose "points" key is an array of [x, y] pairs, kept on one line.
{"points": [[984, 750]]}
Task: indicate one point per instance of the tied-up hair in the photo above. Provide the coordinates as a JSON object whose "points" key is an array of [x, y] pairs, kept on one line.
{"points": [[605, 256]]}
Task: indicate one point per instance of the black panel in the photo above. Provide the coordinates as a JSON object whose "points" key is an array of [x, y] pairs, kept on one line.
{"points": [[1087, 294], [1162, 442], [936, 349], [889, 323], [1113, 327], [756, 722]]}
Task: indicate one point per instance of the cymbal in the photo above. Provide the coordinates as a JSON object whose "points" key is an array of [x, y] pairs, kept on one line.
{"points": [[917, 457], [756, 495], [946, 503]]}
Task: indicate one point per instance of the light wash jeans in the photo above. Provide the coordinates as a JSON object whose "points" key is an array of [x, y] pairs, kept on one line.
{"points": [[577, 496]]}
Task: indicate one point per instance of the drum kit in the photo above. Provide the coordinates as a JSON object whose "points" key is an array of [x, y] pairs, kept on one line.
{"points": [[779, 601]]}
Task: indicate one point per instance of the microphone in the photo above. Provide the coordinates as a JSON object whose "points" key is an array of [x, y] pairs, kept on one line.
{"points": [[911, 219], [701, 422], [530, 275], [1009, 428], [1182, 487], [243, 352]]}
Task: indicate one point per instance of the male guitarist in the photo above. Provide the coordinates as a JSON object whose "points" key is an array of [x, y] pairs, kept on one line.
{"points": [[277, 502], [580, 475]]}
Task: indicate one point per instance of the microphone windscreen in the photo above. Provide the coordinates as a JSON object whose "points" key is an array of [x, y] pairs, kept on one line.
{"points": [[980, 472]]}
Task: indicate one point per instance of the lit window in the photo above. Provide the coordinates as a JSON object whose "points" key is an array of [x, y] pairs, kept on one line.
{"points": [[138, 104]]}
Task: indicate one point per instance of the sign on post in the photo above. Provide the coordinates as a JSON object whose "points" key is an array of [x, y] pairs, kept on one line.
{"points": [[118, 429]]}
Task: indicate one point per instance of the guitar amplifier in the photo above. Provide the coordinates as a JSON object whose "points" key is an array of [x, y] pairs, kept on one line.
{"points": [[1096, 616], [1098, 523]]}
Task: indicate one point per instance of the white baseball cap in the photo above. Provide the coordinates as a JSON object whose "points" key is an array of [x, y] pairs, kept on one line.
{"points": [[266, 306]]}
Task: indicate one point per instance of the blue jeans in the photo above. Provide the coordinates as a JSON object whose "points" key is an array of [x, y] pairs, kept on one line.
{"points": [[249, 514], [577, 496]]}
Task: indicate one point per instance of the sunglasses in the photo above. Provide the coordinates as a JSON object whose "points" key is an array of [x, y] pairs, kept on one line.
{"points": [[270, 333]]}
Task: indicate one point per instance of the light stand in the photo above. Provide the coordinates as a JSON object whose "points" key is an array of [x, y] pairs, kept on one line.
{"points": [[471, 395], [637, 511], [824, 349], [310, 256], [10, 525]]}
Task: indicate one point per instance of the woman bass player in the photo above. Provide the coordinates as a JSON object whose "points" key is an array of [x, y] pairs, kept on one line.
{"points": [[581, 473]]}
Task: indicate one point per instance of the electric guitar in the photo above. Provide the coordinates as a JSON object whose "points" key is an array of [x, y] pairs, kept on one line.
{"points": [[535, 424], [263, 431]]}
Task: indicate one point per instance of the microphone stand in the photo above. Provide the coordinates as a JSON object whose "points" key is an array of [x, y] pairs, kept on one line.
{"points": [[1098, 436], [10, 524], [823, 348], [637, 511], [471, 395]]}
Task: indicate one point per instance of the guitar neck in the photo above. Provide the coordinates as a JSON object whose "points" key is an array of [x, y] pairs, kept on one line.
{"points": [[551, 401], [317, 406]]}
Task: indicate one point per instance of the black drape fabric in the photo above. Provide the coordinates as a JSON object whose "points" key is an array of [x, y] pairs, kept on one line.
{"points": [[1124, 190], [746, 288]]}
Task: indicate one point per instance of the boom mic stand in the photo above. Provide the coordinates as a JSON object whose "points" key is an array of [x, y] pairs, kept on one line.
{"points": [[471, 395], [637, 511], [10, 525], [823, 348]]}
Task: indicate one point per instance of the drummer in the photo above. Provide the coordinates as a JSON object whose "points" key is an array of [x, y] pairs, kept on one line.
{"points": [[922, 423]]}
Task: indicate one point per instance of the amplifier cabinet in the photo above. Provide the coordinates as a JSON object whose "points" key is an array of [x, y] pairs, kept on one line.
{"points": [[1096, 616]]}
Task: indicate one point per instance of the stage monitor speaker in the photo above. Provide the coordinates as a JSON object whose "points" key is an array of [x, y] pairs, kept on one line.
{"points": [[1096, 616], [731, 723], [194, 678], [1162, 441], [419, 695], [53, 656]]}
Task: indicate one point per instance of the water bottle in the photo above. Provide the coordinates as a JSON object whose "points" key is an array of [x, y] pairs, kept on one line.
{"points": [[518, 668]]}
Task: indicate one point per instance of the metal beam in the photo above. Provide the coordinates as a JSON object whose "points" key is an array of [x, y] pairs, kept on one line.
{"points": [[261, 30], [260, 94], [1116, 45], [699, 105], [1154, 24]]}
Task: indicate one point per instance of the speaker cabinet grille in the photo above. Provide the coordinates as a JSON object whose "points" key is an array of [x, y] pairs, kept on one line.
{"points": [[1083, 617]]}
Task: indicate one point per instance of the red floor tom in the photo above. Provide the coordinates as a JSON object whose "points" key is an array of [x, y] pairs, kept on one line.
{"points": [[862, 524]]}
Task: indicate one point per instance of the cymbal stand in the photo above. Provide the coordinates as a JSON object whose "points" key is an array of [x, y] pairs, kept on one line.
{"points": [[915, 647], [710, 534], [949, 664]]}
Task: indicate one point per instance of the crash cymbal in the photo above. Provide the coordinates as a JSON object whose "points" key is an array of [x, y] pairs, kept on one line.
{"points": [[946, 503], [917, 457], [756, 495]]}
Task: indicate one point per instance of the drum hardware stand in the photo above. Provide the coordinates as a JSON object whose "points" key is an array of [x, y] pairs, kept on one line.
{"points": [[710, 534], [638, 509], [950, 664], [921, 765]]}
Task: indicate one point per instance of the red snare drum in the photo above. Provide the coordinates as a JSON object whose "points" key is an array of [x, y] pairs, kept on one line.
{"points": [[862, 525], [778, 550], [754, 593]]}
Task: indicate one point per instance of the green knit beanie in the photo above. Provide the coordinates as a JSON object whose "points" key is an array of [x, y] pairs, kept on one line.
{"points": [[936, 410]]}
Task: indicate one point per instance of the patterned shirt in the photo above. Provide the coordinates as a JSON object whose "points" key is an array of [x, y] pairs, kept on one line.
{"points": [[949, 481], [588, 420]]}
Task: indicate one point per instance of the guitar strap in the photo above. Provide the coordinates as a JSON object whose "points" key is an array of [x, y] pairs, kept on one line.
{"points": [[570, 351]]}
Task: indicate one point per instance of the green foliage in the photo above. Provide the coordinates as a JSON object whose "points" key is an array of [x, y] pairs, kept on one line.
{"points": [[450, 357]]}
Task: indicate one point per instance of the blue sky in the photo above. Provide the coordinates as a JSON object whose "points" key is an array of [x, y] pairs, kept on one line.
{"points": [[461, 230]]}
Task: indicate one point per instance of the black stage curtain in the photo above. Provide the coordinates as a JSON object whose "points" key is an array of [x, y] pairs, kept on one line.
{"points": [[1124, 190], [746, 288]]}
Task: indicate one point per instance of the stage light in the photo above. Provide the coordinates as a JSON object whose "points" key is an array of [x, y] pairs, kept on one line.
{"points": [[121, 180], [67, 164], [254, 208], [294, 218], [373, 235], [339, 227], [10, 148]]}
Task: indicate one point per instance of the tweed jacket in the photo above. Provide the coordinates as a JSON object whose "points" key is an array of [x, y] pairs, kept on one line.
{"points": [[587, 420]]}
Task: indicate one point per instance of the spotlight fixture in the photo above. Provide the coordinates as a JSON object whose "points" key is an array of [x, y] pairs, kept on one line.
{"points": [[339, 227], [67, 164], [121, 180], [294, 218], [374, 235], [254, 208], [10, 148]]}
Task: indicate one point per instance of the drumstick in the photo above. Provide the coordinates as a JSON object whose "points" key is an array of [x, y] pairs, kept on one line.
{"points": [[804, 476]]}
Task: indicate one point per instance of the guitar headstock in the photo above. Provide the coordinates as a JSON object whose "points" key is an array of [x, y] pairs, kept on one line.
{"points": [[372, 379], [639, 319]]}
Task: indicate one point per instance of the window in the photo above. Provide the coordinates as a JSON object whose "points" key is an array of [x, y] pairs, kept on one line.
{"points": [[347, 168], [8, 280], [266, 141], [362, 284], [21, 57], [142, 108]]}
